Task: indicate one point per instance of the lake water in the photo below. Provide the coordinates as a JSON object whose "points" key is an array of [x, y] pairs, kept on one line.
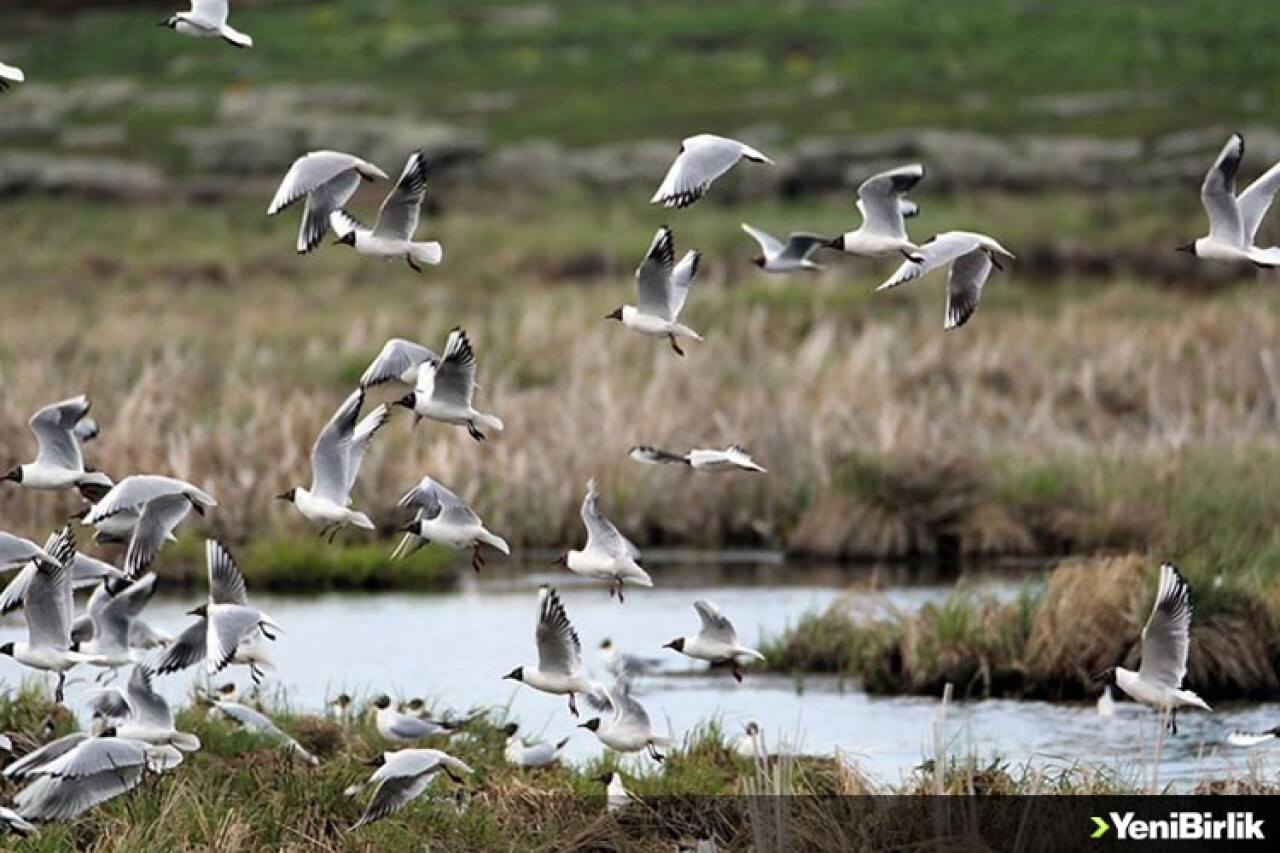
{"points": [[453, 648]]}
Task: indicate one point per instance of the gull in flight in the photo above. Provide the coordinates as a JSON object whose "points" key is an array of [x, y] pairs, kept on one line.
{"points": [[86, 571], [16, 552], [732, 458], [1238, 738], [398, 727], [702, 159], [113, 608], [716, 641], [327, 180], [260, 724], [793, 255], [608, 555], [1234, 219], [443, 517], [59, 430], [616, 796], [971, 257], [401, 777], [521, 754], [627, 728], [1166, 640], [146, 715], [224, 624], [391, 236], [559, 670], [662, 287], [884, 210], [10, 74], [160, 504], [444, 389], [622, 663], [399, 360], [335, 463], [207, 19]]}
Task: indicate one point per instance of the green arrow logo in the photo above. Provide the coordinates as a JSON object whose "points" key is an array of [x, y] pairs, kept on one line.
{"points": [[1102, 828]]}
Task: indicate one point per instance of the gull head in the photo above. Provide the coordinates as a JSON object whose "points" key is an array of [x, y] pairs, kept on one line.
{"points": [[752, 728], [7, 649], [591, 725], [411, 527], [171, 22], [14, 474], [677, 644], [616, 314], [562, 560], [416, 705], [107, 731], [382, 703], [227, 689], [836, 243], [510, 729], [1189, 248], [376, 761], [1107, 676], [348, 239], [202, 611], [407, 400], [516, 674], [758, 260], [606, 643], [605, 778], [289, 496]]}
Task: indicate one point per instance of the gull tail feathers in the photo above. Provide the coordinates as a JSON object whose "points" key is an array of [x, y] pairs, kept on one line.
{"points": [[427, 253], [495, 541], [359, 519], [237, 38], [492, 422]]}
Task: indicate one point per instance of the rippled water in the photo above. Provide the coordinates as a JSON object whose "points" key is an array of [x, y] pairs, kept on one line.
{"points": [[453, 648]]}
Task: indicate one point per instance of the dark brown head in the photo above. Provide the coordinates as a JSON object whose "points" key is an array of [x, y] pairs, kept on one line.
{"points": [[677, 644], [411, 527], [605, 778], [836, 243], [606, 643], [752, 729], [408, 400], [591, 725], [616, 314], [1189, 248], [510, 729], [382, 702], [14, 475], [7, 649], [287, 496], [562, 560], [376, 761], [1106, 677], [516, 674], [202, 611], [758, 260], [416, 705], [348, 239]]}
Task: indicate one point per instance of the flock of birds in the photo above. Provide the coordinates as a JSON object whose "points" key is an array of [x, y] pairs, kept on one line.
{"points": [[133, 730]]}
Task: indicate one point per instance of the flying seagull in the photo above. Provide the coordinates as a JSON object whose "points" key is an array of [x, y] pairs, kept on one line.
{"points": [[149, 718], [391, 236], [327, 180], [622, 663], [627, 727], [662, 286], [732, 458], [445, 518], [10, 74], [883, 230], [399, 360], [1238, 738], [702, 159], [59, 463], [260, 724], [207, 19], [16, 552], [608, 555], [1234, 219], [559, 670], [971, 257], [776, 256], [160, 503], [401, 777], [444, 389], [715, 642], [521, 754], [1166, 640], [113, 608], [335, 463]]}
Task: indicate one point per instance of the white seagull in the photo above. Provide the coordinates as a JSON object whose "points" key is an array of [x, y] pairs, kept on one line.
{"points": [[623, 663], [443, 517], [150, 719], [521, 754], [16, 552], [701, 160], [10, 74], [327, 180], [398, 360], [715, 642], [260, 724], [85, 571], [1166, 640], [662, 287], [883, 230], [207, 19], [398, 727], [733, 458], [627, 728], [444, 389], [793, 255], [59, 463], [113, 608], [1106, 703], [335, 463], [1234, 220], [616, 795], [971, 257], [751, 745], [559, 670], [1238, 738], [401, 777], [161, 503], [391, 236], [608, 555]]}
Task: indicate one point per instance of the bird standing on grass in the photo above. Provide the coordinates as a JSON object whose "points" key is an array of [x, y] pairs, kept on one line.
{"points": [[521, 754]]}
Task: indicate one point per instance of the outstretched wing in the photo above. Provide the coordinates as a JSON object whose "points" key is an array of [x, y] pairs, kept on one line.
{"points": [[53, 427], [879, 199], [329, 455], [1218, 194], [601, 533], [559, 649], [653, 276], [397, 357], [398, 217], [226, 584], [1166, 639], [714, 624], [453, 379]]}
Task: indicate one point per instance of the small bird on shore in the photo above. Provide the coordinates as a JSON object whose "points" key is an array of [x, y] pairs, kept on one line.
{"points": [[559, 670], [1247, 739], [608, 555], [521, 754], [207, 19], [971, 257], [662, 287], [10, 74], [627, 727], [1234, 220], [260, 724], [398, 727], [715, 642], [445, 389], [156, 505], [1166, 641], [751, 745], [59, 462], [342, 708], [401, 777], [779, 257], [445, 518], [619, 662], [327, 180], [701, 160], [335, 464], [616, 795], [391, 236], [733, 458], [884, 210]]}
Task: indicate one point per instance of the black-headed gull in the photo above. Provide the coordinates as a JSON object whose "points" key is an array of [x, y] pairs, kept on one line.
{"points": [[10, 74], [880, 201], [401, 777], [608, 555], [619, 662], [207, 19], [398, 360], [559, 670], [776, 256], [733, 458], [398, 727], [1234, 220], [445, 388], [626, 726], [971, 256], [155, 505], [701, 160], [616, 795], [327, 180], [391, 236], [1246, 739], [149, 718], [662, 286], [521, 754], [751, 745], [16, 552], [59, 462], [112, 609], [335, 464], [445, 518], [260, 724], [716, 641], [1166, 641]]}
